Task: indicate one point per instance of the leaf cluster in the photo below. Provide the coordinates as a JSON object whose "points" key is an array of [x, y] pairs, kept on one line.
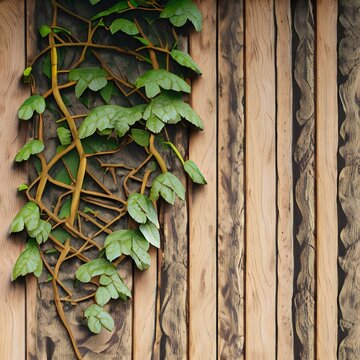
{"points": [[93, 139]]}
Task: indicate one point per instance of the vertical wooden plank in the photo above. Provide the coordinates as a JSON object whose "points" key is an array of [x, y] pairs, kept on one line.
{"points": [[260, 180], [326, 177], [144, 310], [304, 172], [172, 327], [202, 200], [12, 60], [31, 282], [231, 210], [349, 184], [285, 264]]}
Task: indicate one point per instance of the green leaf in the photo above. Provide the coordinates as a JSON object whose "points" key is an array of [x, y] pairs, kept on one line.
{"points": [[169, 108], [180, 11], [27, 75], [42, 231], [151, 233], [71, 160], [154, 124], [141, 209], [93, 2], [117, 8], [64, 135], [142, 40], [92, 78], [167, 185], [60, 235], [27, 71], [107, 91], [141, 137], [185, 59], [28, 262], [93, 268], [28, 216], [23, 187], [98, 143], [128, 242], [153, 80], [194, 172], [44, 30], [124, 25], [98, 318], [30, 148], [109, 117], [31, 104], [112, 287], [65, 209]]}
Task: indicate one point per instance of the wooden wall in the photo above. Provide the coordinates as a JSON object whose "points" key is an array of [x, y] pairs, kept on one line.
{"points": [[263, 262]]}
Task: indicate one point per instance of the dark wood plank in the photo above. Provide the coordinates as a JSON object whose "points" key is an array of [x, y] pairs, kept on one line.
{"points": [[349, 180], [304, 167], [231, 212], [46, 335], [172, 316]]}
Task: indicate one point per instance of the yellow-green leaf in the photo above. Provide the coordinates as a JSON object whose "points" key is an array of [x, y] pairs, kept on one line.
{"points": [[30, 148]]}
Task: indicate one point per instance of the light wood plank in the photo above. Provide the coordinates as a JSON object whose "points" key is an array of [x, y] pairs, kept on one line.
{"points": [[285, 262], [304, 168], [231, 207], [260, 180], [349, 181], [144, 295], [202, 199], [326, 177], [12, 93]]}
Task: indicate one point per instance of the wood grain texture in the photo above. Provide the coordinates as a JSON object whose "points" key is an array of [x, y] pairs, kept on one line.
{"points": [[260, 181], [144, 295], [285, 260], [326, 177], [304, 167], [172, 304], [12, 138], [349, 180], [231, 207], [202, 199]]}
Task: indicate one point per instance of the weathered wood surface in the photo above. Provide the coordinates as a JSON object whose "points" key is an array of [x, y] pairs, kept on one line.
{"points": [[260, 180], [231, 185], [349, 184], [259, 59], [285, 206], [12, 137], [52, 341], [326, 179], [172, 302], [202, 200], [304, 167]]}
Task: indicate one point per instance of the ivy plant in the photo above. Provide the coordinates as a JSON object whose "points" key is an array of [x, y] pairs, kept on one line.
{"points": [[98, 221]]}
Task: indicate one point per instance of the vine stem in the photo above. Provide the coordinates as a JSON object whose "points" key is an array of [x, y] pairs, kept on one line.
{"points": [[176, 151], [156, 154], [72, 126], [57, 300]]}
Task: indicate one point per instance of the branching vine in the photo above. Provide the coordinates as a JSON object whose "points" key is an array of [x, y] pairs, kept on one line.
{"points": [[90, 201]]}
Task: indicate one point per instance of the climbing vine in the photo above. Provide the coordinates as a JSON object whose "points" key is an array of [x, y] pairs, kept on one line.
{"points": [[92, 200]]}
